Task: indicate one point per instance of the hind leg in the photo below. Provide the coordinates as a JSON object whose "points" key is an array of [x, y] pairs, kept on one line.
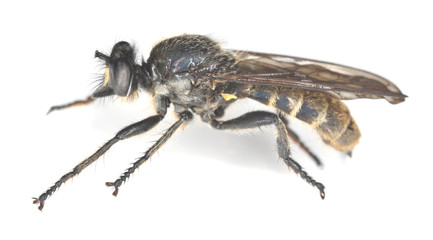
{"points": [[260, 118]]}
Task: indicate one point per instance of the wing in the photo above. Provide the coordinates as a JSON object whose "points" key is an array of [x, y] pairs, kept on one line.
{"points": [[340, 81]]}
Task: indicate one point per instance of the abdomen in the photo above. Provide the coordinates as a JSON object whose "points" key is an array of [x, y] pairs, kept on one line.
{"points": [[330, 117]]}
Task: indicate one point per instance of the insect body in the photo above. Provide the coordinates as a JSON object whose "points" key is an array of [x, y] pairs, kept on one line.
{"points": [[198, 77]]}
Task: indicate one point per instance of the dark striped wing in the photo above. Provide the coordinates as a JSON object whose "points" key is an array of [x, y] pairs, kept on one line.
{"points": [[340, 81]]}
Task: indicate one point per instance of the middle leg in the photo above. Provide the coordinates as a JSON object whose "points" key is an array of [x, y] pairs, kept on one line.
{"points": [[185, 117], [260, 118]]}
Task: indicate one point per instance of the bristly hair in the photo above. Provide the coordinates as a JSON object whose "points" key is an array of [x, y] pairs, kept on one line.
{"points": [[98, 79]]}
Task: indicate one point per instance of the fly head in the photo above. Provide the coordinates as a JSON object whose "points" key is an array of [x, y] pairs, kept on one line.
{"points": [[122, 74]]}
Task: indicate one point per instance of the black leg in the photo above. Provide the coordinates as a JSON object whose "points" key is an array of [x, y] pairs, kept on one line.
{"points": [[295, 138], [184, 118], [260, 118], [102, 92], [129, 131]]}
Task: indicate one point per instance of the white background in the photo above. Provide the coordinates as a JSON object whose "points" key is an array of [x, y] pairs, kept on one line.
{"points": [[206, 184]]}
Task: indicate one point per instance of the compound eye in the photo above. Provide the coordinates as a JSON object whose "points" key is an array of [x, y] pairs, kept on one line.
{"points": [[122, 49], [121, 78]]}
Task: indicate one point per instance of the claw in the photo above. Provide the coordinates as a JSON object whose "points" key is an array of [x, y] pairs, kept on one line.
{"points": [[116, 189], [322, 194], [321, 189], [41, 203]]}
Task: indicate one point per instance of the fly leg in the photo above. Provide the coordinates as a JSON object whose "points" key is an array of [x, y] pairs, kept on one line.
{"points": [[129, 131], [295, 138], [184, 118], [102, 92], [260, 118]]}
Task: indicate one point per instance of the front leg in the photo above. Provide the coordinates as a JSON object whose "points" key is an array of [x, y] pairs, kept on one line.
{"points": [[260, 118], [101, 92], [127, 132]]}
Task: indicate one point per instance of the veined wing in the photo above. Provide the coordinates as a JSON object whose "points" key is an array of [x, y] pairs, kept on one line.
{"points": [[340, 81]]}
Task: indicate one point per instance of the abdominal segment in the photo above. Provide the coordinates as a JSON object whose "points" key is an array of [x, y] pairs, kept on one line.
{"points": [[329, 116]]}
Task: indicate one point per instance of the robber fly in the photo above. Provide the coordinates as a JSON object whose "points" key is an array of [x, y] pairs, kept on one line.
{"points": [[198, 77]]}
